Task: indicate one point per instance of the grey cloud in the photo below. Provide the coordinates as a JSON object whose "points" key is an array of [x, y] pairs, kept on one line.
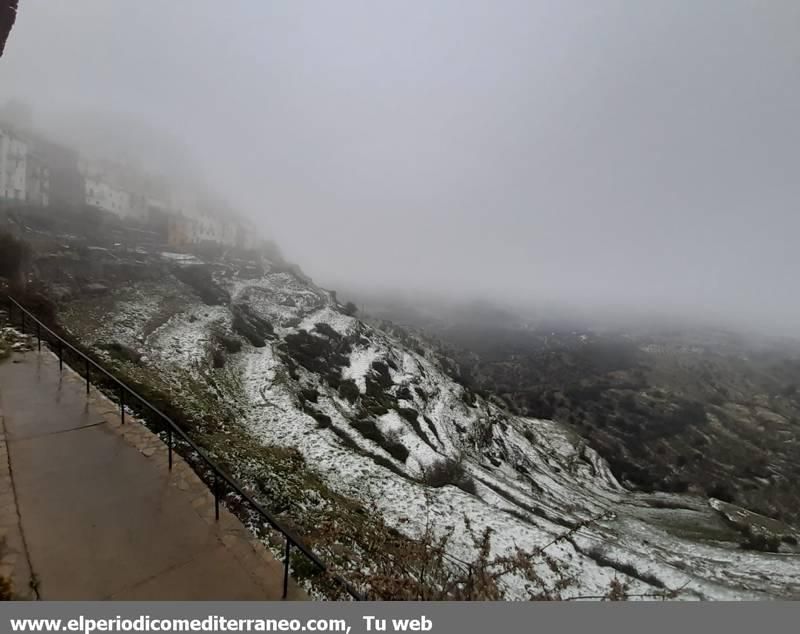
{"points": [[620, 152]]}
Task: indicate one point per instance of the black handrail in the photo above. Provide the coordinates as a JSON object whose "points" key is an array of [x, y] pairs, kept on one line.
{"points": [[173, 428]]}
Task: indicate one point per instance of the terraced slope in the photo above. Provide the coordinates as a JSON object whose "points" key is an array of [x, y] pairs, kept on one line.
{"points": [[344, 429]]}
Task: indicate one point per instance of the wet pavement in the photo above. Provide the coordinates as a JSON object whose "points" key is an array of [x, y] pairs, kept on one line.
{"points": [[89, 509]]}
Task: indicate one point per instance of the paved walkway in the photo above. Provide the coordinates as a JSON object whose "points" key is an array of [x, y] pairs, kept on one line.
{"points": [[89, 509]]}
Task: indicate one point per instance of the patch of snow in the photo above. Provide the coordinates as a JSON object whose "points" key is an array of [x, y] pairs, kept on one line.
{"points": [[534, 479], [361, 360]]}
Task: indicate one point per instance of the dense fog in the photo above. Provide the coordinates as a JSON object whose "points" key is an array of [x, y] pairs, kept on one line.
{"points": [[621, 153]]}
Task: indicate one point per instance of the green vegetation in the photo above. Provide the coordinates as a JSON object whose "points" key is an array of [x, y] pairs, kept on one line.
{"points": [[321, 355], [719, 418]]}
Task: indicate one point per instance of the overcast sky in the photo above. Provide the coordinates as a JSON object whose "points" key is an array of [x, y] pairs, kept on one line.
{"points": [[637, 152]]}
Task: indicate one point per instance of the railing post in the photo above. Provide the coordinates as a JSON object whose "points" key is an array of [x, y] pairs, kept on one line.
{"points": [[22, 323], [216, 496], [38, 336], [60, 357], [169, 444], [122, 405], [286, 568], [87, 376]]}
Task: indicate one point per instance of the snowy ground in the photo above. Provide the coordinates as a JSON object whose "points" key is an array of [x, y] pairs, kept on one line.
{"points": [[533, 479]]}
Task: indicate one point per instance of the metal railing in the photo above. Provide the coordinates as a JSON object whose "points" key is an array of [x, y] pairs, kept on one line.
{"points": [[174, 432]]}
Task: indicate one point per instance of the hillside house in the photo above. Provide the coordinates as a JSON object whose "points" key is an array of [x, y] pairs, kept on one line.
{"points": [[13, 166]]}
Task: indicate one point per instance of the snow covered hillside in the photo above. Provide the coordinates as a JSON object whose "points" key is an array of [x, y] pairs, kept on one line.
{"points": [[375, 416]]}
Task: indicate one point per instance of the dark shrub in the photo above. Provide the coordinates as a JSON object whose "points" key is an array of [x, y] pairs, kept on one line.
{"points": [[374, 407], [350, 309], [199, 279], [468, 397], [334, 378], [231, 344], [39, 304], [397, 450], [374, 389], [412, 416], [309, 394], [404, 393], [218, 358], [323, 420], [13, 255], [760, 541], [347, 439], [674, 485], [380, 372], [628, 403], [448, 472], [121, 352], [683, 415], [348, 389], [388, 464], [721, 491], [318, 354], [432, 427], [251, 326], [408, 413], [326, 329], [241, 326], [369, 430], [308, 350]]}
